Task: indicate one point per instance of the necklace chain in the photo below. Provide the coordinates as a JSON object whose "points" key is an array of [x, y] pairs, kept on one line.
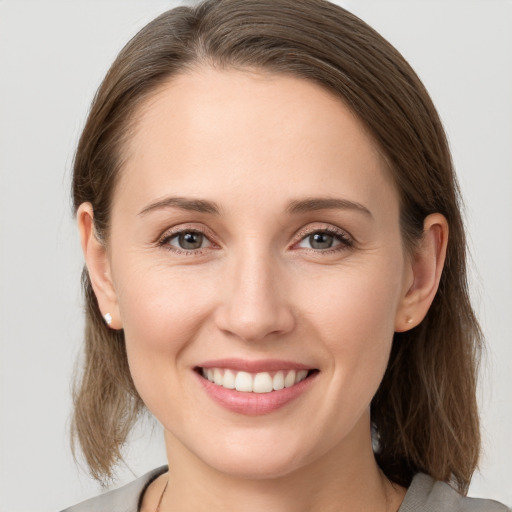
{"points": [[167, 483], [162, 497]]}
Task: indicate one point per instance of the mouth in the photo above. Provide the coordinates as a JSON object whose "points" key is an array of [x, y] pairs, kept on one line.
{"points": [[255, 387], [255, 382]]}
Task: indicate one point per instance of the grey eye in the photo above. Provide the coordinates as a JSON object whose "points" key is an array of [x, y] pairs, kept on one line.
{"points": [[320, 240], [189, 240]]}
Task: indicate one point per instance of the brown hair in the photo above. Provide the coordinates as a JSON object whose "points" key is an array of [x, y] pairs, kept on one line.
{"points": [[424, 415]]}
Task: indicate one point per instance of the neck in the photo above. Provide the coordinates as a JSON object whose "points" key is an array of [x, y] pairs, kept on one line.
{"points": [[344, 479]]}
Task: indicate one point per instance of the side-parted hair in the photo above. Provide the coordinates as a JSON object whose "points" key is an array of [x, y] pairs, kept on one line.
{"points": [[424, 414]]}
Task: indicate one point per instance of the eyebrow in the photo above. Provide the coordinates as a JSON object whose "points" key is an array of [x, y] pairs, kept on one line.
{"points": [[194, 205], [294, 207], [327, 203]]}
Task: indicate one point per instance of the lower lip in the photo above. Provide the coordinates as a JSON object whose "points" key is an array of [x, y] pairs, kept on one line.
{"points": [[253, 404]]}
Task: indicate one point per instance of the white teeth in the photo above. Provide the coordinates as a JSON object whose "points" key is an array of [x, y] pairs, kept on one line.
{"points": [[278, 381], [217, 377], [261, 382], [243, 381], [289, 380], [229, 380], [301, 375]]}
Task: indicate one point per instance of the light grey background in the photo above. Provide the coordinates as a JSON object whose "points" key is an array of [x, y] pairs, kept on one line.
{"points": [[52, 57]]}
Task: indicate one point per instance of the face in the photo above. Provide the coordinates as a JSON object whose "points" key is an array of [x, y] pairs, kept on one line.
{"points": [[255, 241]]}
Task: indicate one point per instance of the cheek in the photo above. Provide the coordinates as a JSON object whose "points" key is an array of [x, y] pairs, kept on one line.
{"points": [[159, 305], [355, 318], [162, 312], [359, 299]]}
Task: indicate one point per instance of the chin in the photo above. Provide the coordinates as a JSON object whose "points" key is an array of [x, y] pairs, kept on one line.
{"points": [[256, 460], [255, 468]]}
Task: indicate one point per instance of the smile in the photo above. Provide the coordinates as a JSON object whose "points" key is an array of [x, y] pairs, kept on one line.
{"points": [[261, 382], [254, 387]]}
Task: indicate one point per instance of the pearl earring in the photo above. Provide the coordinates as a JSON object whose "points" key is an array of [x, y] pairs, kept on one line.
{"points": [[409, 320], [108, 318]]}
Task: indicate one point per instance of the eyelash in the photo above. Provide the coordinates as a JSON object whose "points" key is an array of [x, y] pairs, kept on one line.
{"points": [[164, 241], [346, 242]]}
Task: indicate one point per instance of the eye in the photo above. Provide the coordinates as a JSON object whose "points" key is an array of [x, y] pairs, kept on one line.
{"points": [[324, 240], [187, 240]]}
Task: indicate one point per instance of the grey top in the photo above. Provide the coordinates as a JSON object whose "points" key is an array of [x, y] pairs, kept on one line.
{"points": [[423, 495]]}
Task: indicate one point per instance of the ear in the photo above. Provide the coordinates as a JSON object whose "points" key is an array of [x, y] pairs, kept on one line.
{"points": [[98, 265], [424, 273]]}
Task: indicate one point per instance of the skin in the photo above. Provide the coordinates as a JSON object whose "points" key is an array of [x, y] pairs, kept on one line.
{"points": [[254, 142]]}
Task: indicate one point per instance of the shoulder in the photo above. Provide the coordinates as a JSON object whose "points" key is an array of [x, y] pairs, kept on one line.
{"points": [[427, 495], [124, 499]]}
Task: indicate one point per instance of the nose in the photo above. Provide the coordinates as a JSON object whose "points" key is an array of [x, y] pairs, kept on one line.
{"points": [[254, 304]]}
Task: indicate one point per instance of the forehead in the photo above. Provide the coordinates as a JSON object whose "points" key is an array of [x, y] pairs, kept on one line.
{"points": [[227, 128]]}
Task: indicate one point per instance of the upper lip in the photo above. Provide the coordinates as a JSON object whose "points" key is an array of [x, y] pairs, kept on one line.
{"points": [[261, 365]]}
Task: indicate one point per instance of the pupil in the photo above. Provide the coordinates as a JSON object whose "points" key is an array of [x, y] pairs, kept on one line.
{"points": [[191, 240], [321, 241]]}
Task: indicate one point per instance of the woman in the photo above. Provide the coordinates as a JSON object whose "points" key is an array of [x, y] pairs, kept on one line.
{"points": [[275, 269]]}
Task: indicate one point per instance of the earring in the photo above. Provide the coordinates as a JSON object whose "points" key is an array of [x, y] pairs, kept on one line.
{"points": [[409, 320], [108, 318]]}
